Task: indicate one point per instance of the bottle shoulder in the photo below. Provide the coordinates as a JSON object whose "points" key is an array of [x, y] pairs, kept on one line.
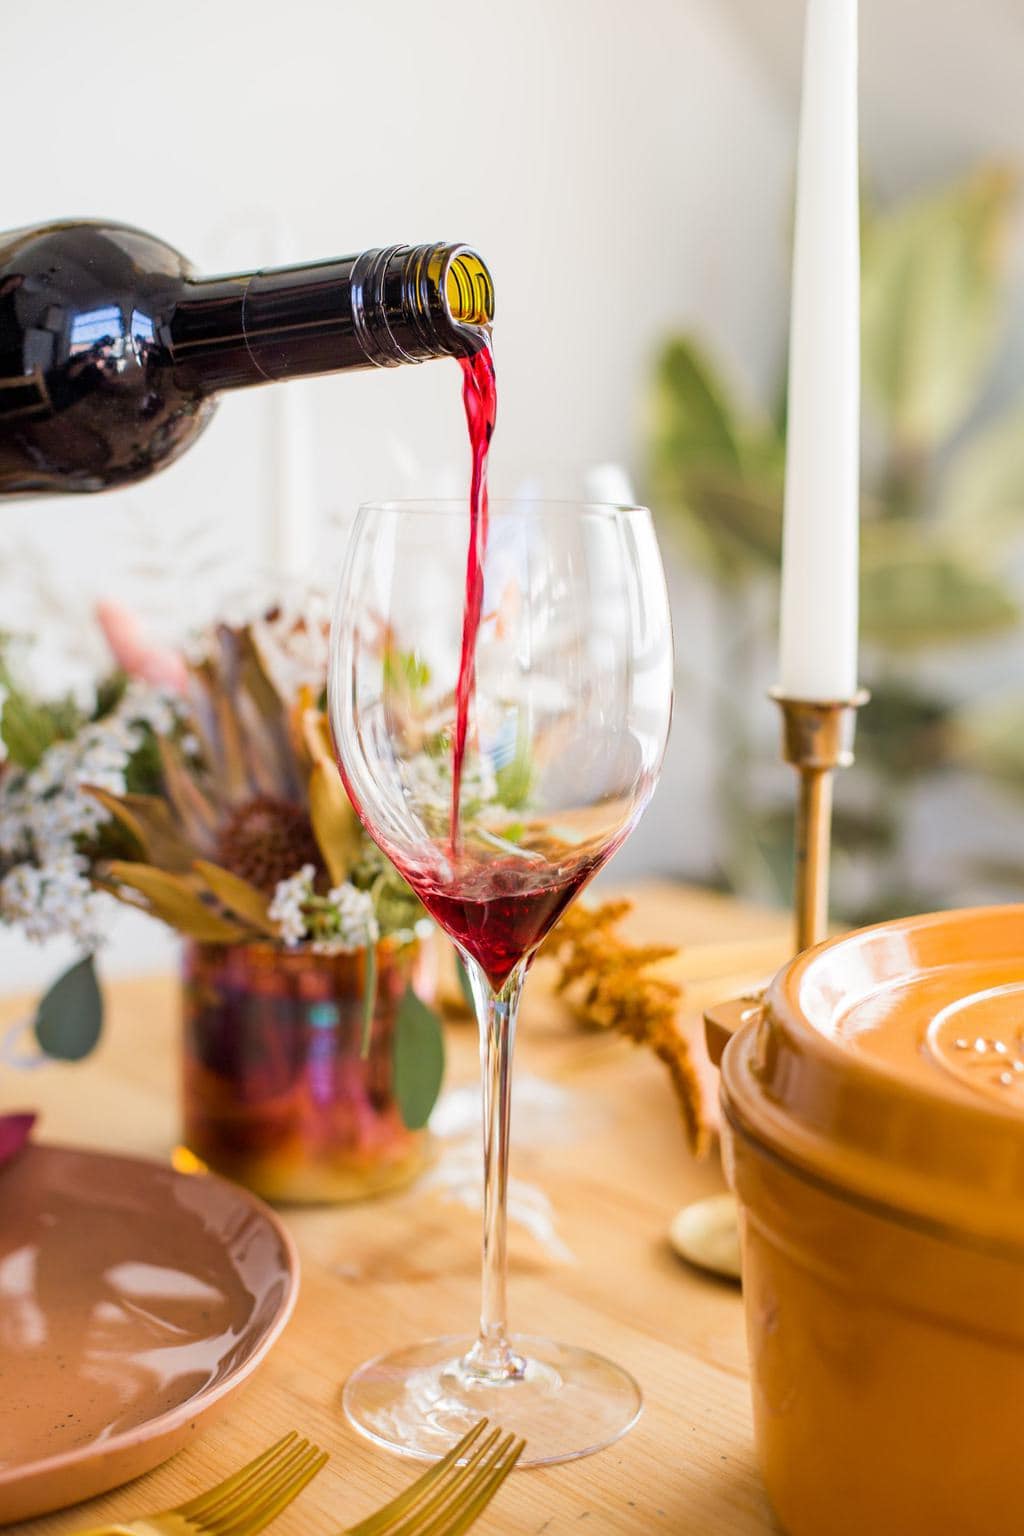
{"points": [[87, 394], [99, 241]]}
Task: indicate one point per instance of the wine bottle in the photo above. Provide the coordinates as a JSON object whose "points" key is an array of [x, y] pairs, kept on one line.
{"points": [[113, 351]]}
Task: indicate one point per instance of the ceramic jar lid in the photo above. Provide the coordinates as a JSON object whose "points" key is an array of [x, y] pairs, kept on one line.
{"points": [[891, 1063]]}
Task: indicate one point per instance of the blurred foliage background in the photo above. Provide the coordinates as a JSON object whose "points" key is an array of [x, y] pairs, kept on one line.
{"points": [[942, 593]]}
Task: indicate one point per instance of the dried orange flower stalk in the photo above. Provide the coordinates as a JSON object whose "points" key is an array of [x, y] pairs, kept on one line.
{"points": [[615, 989]]}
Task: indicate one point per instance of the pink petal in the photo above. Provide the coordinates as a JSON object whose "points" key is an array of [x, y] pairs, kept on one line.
{"points": [[154, 664]]}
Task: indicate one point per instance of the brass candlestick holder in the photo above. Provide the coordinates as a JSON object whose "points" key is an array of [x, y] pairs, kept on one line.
{"points": [[817, 738]]}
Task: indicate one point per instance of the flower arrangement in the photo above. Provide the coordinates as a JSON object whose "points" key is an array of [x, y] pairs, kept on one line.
{"points": [[203, 793]]}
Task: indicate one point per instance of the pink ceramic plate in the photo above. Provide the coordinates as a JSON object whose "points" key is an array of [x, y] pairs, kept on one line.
{"points": [[133, 1301]]}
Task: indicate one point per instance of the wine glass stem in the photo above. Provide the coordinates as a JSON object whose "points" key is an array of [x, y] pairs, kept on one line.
{"points": [[492, 1355]]}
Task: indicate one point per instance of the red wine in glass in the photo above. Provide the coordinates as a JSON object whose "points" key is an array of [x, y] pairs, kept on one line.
{"points": [[500, 913]]}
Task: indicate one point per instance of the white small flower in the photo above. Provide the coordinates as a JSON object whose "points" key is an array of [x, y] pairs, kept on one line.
{"points": [[353, 913], [287, 907], [54, 899], [44, 813], [427, 780]]}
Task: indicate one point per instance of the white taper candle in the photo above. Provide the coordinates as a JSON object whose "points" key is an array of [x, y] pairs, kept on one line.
{"points": [[818, 641]]}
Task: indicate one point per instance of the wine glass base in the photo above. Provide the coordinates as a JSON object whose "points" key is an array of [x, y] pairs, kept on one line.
{"points": [[420, 1401]]}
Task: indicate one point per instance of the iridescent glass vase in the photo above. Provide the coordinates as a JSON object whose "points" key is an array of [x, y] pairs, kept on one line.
{"points": [[276, 1091]]}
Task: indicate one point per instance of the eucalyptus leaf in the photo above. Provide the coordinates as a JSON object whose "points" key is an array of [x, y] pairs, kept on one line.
{"points": [[70, 1016], [463, 979], [418, 1060], [931, 304], [369, 999]]}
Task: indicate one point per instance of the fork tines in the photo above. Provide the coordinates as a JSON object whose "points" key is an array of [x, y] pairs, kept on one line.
{"points": [[245, 1503], [446, 1500]]}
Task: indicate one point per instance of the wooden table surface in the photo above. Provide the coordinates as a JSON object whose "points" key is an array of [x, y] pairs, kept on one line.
{"points": [[403, 1268]]}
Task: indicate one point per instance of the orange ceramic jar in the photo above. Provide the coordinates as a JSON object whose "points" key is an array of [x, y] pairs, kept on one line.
{"points": [[874, 1134]]}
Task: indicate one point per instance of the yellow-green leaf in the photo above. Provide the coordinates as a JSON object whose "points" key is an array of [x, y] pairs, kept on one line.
{"points": [[983, 489], [237, 895], [931, 304], [175, 901], [693, 419], [916, 592], [149, 820], [989, 737], [335, 823], [316, 734], [197, 813]]}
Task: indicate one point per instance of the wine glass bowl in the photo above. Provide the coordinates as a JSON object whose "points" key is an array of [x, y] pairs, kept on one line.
{"points": [[567, 723], [568, 717]]}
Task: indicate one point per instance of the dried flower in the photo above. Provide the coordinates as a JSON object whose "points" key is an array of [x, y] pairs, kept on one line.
{"points": [[614, 988]]}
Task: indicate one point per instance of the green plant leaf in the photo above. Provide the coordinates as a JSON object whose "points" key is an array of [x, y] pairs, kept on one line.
{"points": [[743, 522], [989, 737], [418, 1060], [916, 592], [405, 672], [70, 1016], [369, 999], [715, 472], [109, 693], [694, 421], [514, 779], [931, 304], [27, 730], [905, 730], [982, 499], [464, 987]]}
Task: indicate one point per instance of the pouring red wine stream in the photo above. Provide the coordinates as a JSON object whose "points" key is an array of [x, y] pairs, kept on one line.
{"points": [[498, 911], [480, 398]]}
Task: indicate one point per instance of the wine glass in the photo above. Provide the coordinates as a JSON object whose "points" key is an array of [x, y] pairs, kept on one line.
{"points": [[567, 725]]}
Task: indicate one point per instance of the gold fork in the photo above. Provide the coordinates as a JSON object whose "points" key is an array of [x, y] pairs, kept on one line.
{"points": [[239, 1506], [447, 1500]]}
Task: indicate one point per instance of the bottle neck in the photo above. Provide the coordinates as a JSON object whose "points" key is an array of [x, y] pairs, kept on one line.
{"points": [[400, 304]]}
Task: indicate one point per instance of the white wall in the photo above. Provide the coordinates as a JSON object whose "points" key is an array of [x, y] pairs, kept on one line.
{"points": [[624, 168]]}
